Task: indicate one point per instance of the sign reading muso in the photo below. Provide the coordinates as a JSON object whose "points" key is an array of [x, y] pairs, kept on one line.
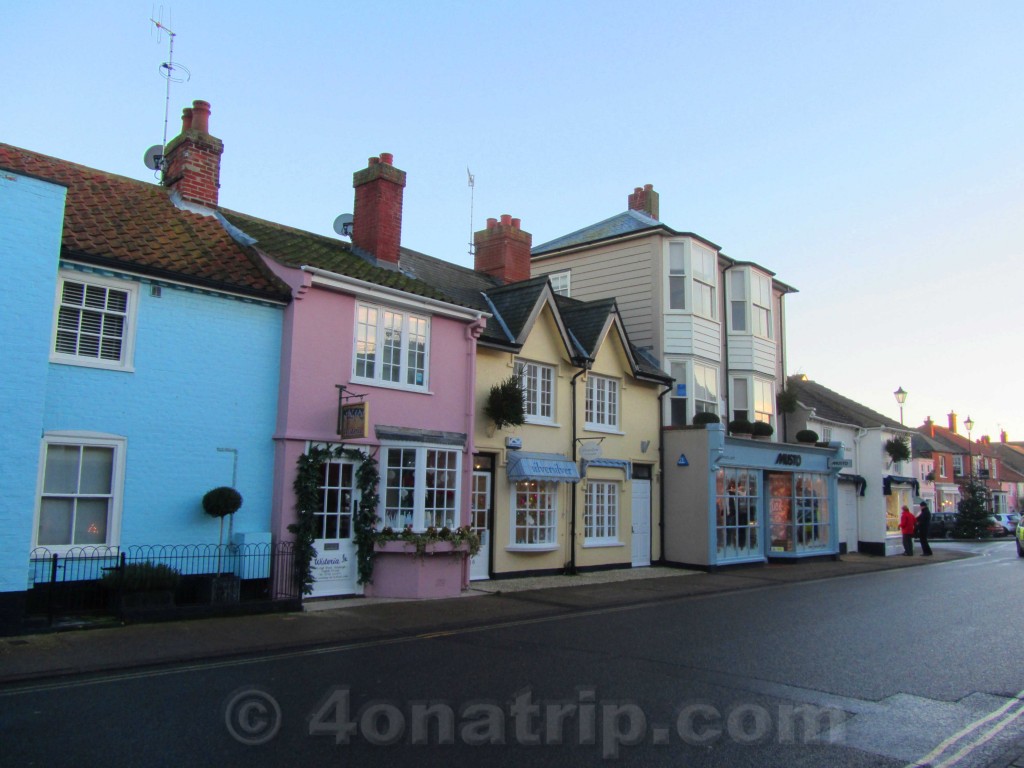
{"points": [[789, 459], [839, 463], [353, 419]]}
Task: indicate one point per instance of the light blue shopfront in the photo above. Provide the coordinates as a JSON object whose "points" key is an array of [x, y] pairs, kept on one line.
{"points": [[771, 501]]}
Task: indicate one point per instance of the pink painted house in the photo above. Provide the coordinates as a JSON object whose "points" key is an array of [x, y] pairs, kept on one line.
{"points": [[361, 330]]}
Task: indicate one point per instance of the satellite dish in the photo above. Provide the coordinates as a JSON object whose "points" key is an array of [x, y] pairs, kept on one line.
{"points": [[343, 225], [154, 157]]}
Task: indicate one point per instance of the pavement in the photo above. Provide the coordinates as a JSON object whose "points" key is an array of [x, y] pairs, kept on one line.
{"points": [[51, 658]]}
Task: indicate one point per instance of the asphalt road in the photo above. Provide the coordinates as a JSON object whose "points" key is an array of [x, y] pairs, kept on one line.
{"points": [[896, 668]]}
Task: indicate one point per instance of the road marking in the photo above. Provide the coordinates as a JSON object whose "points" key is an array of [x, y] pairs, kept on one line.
{"points": [[969, 729]]}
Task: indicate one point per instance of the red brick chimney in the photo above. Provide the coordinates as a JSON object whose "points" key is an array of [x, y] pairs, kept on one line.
{"points": [[645, 200], [930, 426], [1002, 436], [952, 421], [377, 217], [192, 159], [503, 250]]}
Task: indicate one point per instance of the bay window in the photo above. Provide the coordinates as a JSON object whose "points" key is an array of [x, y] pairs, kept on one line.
{"points": [[535, 514], [420, 487]]}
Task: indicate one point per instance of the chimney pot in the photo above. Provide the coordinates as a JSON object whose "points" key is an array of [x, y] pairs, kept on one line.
{"points": [[503, 250], [373, 161], [192, 159], [952, 421], [387, 158], [201, 116]]}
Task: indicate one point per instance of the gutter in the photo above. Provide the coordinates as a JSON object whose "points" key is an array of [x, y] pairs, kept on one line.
{"points": [[585, 364], [661, 470]]}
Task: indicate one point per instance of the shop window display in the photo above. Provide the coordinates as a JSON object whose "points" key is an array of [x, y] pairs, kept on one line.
{"points": [[737, 494]]}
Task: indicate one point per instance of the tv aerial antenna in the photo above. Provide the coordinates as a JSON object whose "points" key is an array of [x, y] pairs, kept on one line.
{"points": [[472, 193], [172, 73]]}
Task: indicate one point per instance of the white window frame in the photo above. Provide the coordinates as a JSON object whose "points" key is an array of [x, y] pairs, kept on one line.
{"points": [[704, 266], [958, 465], [735, 401], [761, 305], [601, 513], [942, 465], [538, 384], [764, 405], [677, 369], [826, 434], [545, 537], [126, 360], [603, 404], [676, 270], [701, 374], [560, 282], [119, 444], [370, 333], [738, 301], [423, 513]]}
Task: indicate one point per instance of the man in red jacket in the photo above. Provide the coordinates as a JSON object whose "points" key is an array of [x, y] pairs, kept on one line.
{"points": [[907, 523]]}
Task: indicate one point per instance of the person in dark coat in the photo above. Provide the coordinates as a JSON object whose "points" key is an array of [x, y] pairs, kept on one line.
{"points": [[924, 519]]}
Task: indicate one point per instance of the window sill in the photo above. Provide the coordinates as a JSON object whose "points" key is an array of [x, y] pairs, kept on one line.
{"points": [[541, 423], [391, 385], [599, 543], [87, 362], [533, 548], [605, 430]]}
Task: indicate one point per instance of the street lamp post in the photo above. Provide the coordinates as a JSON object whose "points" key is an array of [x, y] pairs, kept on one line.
{"points": [[901, 398]]}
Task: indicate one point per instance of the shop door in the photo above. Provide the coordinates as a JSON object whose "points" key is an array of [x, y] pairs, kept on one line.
{"points": [[480, 564], [334, 567], [641, 523], [848, 515]]}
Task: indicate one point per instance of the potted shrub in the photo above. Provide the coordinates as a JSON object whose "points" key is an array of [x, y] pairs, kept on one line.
{"points": [[142, 585], [807, 436], [762, 429], [740, 427], [704, 418], [219, 503]]}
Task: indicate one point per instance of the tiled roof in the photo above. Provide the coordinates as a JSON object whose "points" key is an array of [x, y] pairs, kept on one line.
{"points": [[624, 223], [515, 302], [586, 320], [117, 222], [296, 248], [832, 406]]}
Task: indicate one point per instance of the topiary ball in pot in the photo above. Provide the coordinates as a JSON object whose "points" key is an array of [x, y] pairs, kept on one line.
{"points": [[704, 418], [740, 427], [762, 429], [807, 436], [221, 502]]}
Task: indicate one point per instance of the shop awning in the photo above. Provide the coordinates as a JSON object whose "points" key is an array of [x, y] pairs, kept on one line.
{"points": [[541, 466]]}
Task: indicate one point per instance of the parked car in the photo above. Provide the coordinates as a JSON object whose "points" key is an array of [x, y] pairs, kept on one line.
{"points": [[1008, 522], [942, 525]]}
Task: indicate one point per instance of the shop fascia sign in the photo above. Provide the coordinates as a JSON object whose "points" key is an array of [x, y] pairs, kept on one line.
{"points": [[789, 459]]}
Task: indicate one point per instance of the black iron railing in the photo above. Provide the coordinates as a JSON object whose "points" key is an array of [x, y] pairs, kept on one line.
{"points": [[98, 580]]}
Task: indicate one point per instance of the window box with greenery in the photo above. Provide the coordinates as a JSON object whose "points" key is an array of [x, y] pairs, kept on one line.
{"points": [[428, 564]]}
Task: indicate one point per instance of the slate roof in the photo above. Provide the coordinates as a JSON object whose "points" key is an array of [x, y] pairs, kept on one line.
{"points": [[120, 223], [922, 444], [624, 223], [832, 406]]}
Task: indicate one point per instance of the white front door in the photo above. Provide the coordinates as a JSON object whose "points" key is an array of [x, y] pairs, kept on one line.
{"points": [[641, 522], [334, 567], [848, 515], [480, 565]]}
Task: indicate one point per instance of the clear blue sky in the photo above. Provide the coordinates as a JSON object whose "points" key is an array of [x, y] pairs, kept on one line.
{"points": [[870, 153]]}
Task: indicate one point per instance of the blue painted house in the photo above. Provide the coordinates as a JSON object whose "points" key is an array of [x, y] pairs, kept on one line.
{"points": [[141, 363]]}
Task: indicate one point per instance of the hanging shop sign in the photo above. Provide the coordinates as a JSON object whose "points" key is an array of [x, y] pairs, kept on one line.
{"points": [[353, 420]]}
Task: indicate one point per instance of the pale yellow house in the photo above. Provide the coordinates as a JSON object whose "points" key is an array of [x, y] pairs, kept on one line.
{"points": [[577, 486]]}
